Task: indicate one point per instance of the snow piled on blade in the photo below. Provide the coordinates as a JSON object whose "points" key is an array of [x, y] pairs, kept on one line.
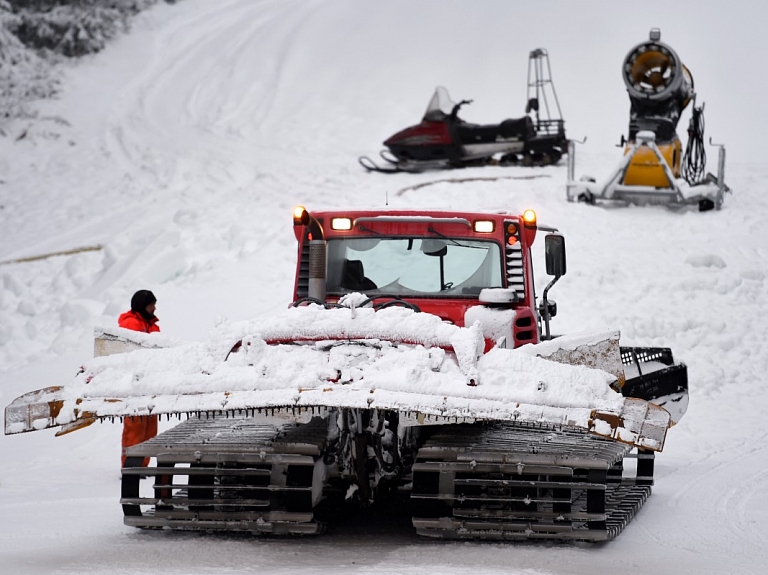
{"points": [[390, 359], [314, 322]]}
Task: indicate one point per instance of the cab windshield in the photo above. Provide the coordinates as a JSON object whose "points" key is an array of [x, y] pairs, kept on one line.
{"points": [[413, 266]]}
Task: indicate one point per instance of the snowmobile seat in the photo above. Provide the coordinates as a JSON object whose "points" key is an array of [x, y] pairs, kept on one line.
{"points": [[353, 276], [518, 128], [476, 134]]}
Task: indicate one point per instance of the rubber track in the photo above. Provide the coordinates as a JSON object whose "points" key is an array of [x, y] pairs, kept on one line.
{"points": [[228, 474], [508, 481]]}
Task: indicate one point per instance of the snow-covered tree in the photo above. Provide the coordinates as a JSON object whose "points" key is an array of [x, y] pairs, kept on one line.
{"points": [[74, 27], [24, 75], [33, 33]]}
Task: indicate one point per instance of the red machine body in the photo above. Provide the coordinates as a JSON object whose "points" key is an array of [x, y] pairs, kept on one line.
{"points": [[438, 261]]}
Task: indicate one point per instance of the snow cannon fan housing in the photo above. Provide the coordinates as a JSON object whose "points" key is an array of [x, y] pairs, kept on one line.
{"points": [[655, 169], [659, 87]]}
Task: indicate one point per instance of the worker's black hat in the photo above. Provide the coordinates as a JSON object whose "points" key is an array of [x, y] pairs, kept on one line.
{"points": [[139, 302]]}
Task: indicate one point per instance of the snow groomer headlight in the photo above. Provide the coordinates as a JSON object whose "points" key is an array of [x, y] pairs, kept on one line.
{"points": [[342, 224], [529, 219], [484, 226], [300, 216]]}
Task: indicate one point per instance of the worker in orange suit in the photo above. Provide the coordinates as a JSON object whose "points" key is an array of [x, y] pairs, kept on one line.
{"points": [[141, 317]]}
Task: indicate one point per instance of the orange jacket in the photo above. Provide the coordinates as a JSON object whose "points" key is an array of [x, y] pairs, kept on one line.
{"points": [[132, 320], [140, 428]]}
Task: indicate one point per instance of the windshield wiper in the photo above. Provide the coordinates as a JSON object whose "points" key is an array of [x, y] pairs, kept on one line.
{"points": [[432, 230], [363, 228]]}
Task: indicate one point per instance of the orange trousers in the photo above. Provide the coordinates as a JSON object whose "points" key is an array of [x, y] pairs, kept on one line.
{"points": [[136, 430]]}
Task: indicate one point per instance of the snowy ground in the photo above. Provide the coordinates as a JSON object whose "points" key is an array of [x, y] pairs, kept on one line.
{"points": [[180, 151]]}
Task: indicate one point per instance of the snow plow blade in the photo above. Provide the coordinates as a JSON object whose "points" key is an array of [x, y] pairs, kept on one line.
{"points": [[637, 422], [357, 365]]}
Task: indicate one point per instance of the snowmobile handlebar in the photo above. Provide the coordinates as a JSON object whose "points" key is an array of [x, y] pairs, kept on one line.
{"points": [[458, 106]]}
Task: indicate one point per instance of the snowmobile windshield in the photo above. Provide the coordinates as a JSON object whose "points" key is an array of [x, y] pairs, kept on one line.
{"points": [[440, 106], [413, 266]]}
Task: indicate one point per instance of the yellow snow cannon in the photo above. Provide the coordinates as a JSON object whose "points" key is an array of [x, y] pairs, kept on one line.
{"points": [[654, 169]]}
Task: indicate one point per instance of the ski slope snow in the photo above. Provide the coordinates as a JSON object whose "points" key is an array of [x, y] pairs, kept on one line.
{"points": [[172, 160]]}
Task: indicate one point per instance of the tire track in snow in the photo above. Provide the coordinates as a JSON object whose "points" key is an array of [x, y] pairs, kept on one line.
{"points": [[737, 503], [720, 494], [177, 132], [186, 90]]}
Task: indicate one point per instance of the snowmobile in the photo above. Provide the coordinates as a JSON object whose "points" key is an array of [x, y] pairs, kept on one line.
{"points": [[415, 365], [443, 140], [654, 169]]}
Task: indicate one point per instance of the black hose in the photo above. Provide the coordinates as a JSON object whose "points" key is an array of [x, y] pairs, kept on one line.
{"points": [[326, 305], [695, 158]]}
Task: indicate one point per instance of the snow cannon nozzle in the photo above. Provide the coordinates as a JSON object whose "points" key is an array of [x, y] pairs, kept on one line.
{"points": [[657, 80]]}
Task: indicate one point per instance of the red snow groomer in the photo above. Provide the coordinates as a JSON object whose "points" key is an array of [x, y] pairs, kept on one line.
{"points": [[415, 365]]}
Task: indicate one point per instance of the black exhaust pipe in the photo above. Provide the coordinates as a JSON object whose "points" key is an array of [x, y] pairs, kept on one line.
{"points": [[317, 253]]}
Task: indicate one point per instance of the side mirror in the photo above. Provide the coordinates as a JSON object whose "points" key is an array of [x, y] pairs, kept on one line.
{"points": [[434, 247], [439, 253], [554, 251]]}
